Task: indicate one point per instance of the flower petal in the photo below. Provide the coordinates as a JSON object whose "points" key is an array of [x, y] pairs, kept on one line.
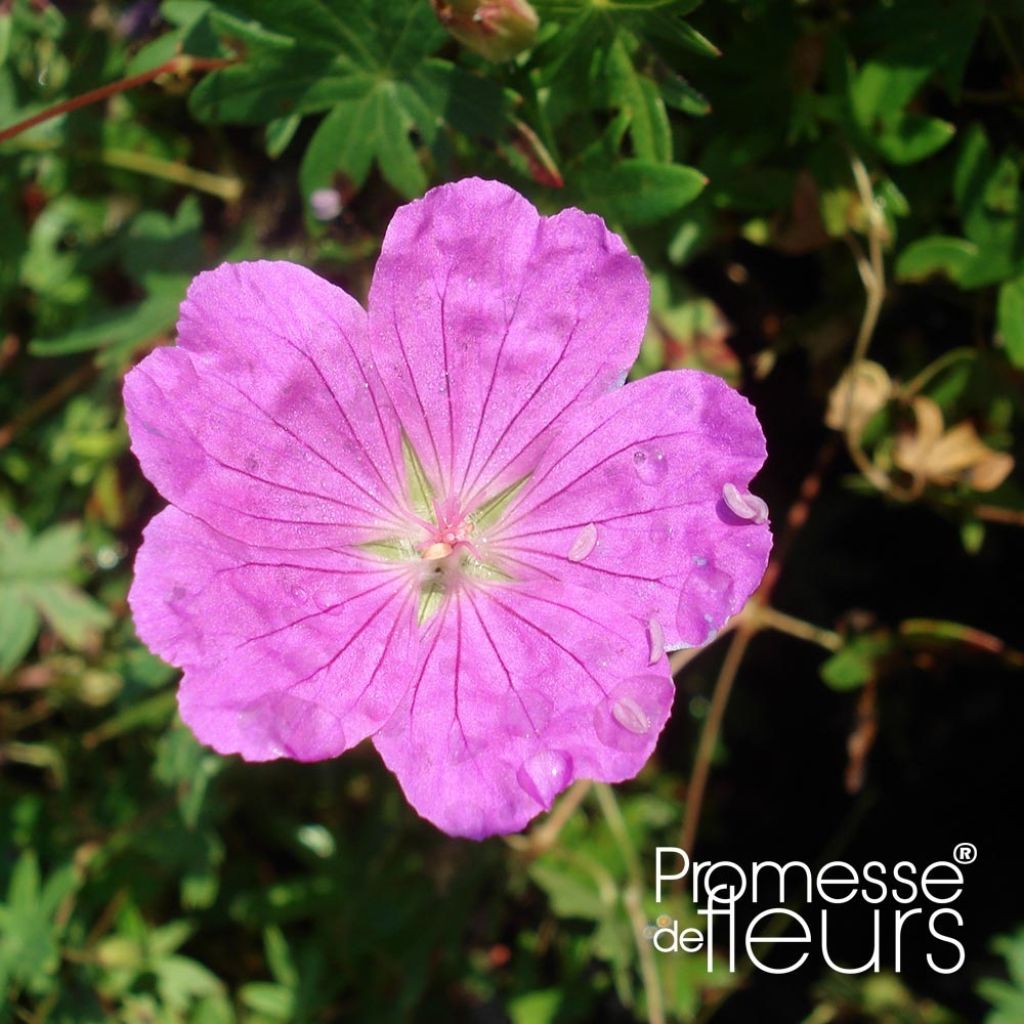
{"points": [[635, 480], [267, 419], [297, 654], [520, 690], [489, 322]]}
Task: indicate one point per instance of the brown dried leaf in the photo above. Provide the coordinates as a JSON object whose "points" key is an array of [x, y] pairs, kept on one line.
{"points": [[933, 455], [871, 390]]}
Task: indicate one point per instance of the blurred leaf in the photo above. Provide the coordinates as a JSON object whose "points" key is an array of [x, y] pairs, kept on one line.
{"points": [[1006, 998], [162, 253], [912, 137], [637, 191], [35, 583], [29, 926], [937, 254], [357, 64], [1010, 319], [857, 662]]}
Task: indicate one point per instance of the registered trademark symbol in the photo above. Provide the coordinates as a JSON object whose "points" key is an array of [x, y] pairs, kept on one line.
{"points": [[965, 853]]}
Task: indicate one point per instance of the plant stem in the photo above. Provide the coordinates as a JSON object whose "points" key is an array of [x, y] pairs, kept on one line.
{"points": [[998, 514], [183, 64], [228, 189], [872, 274], [545, 835], [632, 900], [944, 361], [712, 728], [47, 401], [770, 618]]}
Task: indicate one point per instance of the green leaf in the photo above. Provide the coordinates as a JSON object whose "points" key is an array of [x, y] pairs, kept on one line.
{"points": [[668, 28], [540, 1007], [277, 84], [680, 95], [936, 254], [34, 583], [279, 957], [19, 624], [367, 65], [399, 163], [857, 662], [637, 191], [121, 332], [881, 90], [280, 132], [161, 253], [312, 23], [912, 137], [638, 97], [342, 142], [1010, 319], [29, 927], [274, 1001]]}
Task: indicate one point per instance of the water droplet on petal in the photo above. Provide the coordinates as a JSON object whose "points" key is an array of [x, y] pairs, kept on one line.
{"points": [[746, 506], [706, 600], [329, 598], [544, 775], [286, 725], [299, 594], [650, 464], [584, 543], [631, 715], [657, 638]]}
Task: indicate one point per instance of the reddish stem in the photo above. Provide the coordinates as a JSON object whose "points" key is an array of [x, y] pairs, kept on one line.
{"points": [[181, 64]]}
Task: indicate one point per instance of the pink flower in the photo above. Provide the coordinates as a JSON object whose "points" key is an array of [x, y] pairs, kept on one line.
{"points": [[442, 524]]}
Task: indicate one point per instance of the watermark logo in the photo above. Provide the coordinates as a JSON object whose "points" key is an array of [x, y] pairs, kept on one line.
{"points": [[965, 853], [780, 915]]}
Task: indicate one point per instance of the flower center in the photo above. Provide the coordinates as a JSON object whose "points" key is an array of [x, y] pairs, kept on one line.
{"points": [[448, 544], [449, 531]]}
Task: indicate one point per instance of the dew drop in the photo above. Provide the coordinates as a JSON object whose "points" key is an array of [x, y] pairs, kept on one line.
{"points": [[545, 774], [584, 543], [706, 599], [746, 506], [328, 598], [299, 594], [284, 725], [650, 465], [629, 717], [657, 638]]}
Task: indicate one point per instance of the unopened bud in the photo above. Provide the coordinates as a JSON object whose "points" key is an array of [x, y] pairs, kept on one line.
{"points": [[496, 29]]}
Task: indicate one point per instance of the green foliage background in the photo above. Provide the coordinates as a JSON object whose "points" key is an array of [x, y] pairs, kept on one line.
{"points": [[781, 167]]}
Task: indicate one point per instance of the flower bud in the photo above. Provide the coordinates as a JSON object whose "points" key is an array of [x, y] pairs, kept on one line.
{"points": [[496, 29]]}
